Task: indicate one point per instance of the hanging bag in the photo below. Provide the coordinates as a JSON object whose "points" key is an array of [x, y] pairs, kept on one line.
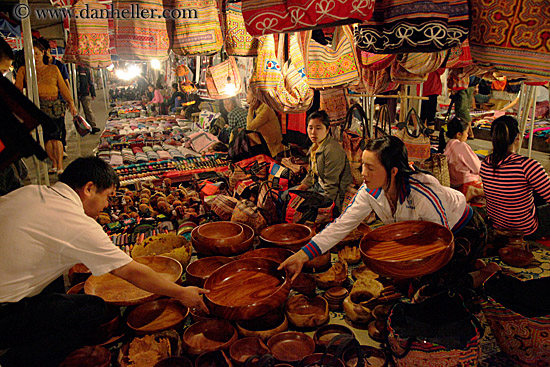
{"points": [[334, 102], [416, 141], [383, 123], [283, 86], [331, 66], [248, 213], [238, 42], [354, 144], [268, 202], [459, 56], [200, 35], [438, 166], [220, 76]]}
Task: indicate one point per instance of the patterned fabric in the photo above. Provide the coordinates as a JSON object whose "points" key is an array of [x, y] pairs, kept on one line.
{"points": [[70, 48], [237, 118], [280, 16], [331, 66], [200, 35], [140, 39], [238, 42], [223, 206], [335, 103], [460, 56], [373, 61], [400, 75], [283, 88], [92, 36], [219, 76], [513, 36], [420, 63], [399, 26]]}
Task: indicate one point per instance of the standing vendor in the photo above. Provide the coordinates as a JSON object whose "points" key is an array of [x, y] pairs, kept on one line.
{"points": [[329, 171], [45, 231]]}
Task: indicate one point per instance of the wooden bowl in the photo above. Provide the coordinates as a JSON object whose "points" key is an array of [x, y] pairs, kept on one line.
{"points": [[208, 336], [220, 233], [287, 235], [372, 357], [94, 356], [174, 362], [78, 274], [199, 270], [357, 312], [291, 346], [117, 291], [199, 315], [407, 249], [516, 256], [158, 315], [77, 289], [318, 263], [376, 331], [244, 348], [323, 336], [212, 248], [321, 359], [246, 289], [264, 327], [105, 331], [304, 312], [305, 284], [216, 358], [277, 254]]}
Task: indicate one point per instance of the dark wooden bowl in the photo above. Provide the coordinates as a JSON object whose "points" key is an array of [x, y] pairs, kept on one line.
{"points": [[208, 336], [246, 289], [77, 289], [304, 312], [319, 262], [516, 256], [78, 274], [372, 357], [174, 362], [407, 249], [305, 284], [377, 332], [274, 253], [288, 235], [244, 348], [199, 270], [323, 336], [321, 359], [220, 234], [291, 346], [158, 315], [105, 331], [199, 315], [94, 356], [216, 358], [117, 291], [264, 327], [209, 248]]}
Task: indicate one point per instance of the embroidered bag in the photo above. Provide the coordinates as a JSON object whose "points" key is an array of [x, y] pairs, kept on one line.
{"points": [[218, 78], [139, 38], [354, 144], [307, 206], [268, 202], [238, 42], [382, 121], [416, 141], [91, 38], [331, 66], [70, 48], [281, 16], [375, 81], [460, 56], [419, 63], [82, 126], [200, 34], [400, 26], [334, 102], [400, 75], [438, 166], [248, 213], [201, 141], [374, 62]]}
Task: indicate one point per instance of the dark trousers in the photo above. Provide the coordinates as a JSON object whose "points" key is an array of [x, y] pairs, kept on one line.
{"points": [[429, 108], [42, 330]]}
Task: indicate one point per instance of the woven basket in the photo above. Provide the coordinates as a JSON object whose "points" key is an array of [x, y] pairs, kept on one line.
{"points": [[438, 166]]}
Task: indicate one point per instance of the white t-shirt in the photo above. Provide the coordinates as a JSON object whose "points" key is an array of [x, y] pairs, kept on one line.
{"points": [[44, 232]]}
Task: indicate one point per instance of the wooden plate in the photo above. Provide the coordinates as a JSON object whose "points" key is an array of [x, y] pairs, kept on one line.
{"points": [[158, 315], [117, 291], [288, 235], [407, 249], [291, 346], [246, 289]]}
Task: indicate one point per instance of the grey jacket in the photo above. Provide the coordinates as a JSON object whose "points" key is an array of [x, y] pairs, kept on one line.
{"points": [[333, 169]]}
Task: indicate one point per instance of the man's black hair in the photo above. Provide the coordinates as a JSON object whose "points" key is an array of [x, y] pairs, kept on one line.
{"points": [[5, 50], [45, 43], [86, 169]]}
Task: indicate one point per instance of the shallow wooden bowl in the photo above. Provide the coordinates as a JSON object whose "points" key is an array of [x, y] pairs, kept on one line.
{"points": [[117, 291], [216, 358], [244, 348], [321, 359], [174, 362], [220, 233], [158, 315], [305, 284], [77, 289], [372, 357], [199, 315], [209, 248], [78, 274], [94, 356], [306, 312], [323, 336], [246, 289], [288, 235], [291, 346], [274, 253], [264, 327], [199, 270], [516, 256], [208, 336], [407, 249]]}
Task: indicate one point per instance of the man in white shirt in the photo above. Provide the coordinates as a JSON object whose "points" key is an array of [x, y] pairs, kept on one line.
{"points": [[45, 231]]}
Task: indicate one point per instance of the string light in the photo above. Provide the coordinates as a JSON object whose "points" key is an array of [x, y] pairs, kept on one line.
{"points": [[230, 87]]}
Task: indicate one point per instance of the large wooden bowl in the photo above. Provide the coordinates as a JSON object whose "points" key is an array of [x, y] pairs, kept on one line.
{"points": [[372, 357], [304, 312], [291, 346], [95, 356], [117, 291], [244, 348], [199, 270], [516, 256], [407, 249], [274, 253], [264, 327], [220, 233], [287, 235], [215, 248], [324, 335], [208, 335], [217, 358], [158, 315], [246, 289]]}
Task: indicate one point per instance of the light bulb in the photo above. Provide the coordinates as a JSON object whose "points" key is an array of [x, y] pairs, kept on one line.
{"points": [[155, 64], [111, 67], [230, 89]]}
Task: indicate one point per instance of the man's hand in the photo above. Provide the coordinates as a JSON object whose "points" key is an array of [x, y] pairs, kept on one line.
{"points": [[294, 264], [192, 298]]}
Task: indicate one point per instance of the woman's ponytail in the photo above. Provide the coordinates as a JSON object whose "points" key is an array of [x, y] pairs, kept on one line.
{"points": [[504, 131]]}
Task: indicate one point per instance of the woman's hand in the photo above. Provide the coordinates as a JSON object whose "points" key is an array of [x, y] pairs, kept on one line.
{"points": [[73, 110], [192, 298], [294, 264]]}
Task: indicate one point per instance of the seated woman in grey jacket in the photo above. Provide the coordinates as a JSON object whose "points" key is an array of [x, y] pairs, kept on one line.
{"points": [[329, 170]]}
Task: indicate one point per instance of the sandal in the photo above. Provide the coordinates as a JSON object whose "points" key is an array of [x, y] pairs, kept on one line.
{"points": [[52, 170]]}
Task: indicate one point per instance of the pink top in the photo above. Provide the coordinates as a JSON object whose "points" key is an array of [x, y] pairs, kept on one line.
{"points": [[157, 97], [464, 164]]}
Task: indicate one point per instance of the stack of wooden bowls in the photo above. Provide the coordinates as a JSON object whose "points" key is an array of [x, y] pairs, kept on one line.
{"points": [[222, 238]]}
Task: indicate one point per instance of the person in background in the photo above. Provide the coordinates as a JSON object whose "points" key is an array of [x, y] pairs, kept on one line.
{"points": [[464, 164], [261, 118], [53, 228], [157, 99], [431, 89], [329, 170], [176, 100], [510, 182], [462, 96], [50, 84], [86, 93], [236, 115]]}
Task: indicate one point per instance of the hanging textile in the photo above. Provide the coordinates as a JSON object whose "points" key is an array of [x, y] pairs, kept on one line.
{"points": [[219, 78], [238, 42], [335, 103]]}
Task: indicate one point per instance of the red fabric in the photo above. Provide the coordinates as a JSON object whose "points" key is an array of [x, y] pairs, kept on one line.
{"points": [[296, 122], [432, 85]]}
